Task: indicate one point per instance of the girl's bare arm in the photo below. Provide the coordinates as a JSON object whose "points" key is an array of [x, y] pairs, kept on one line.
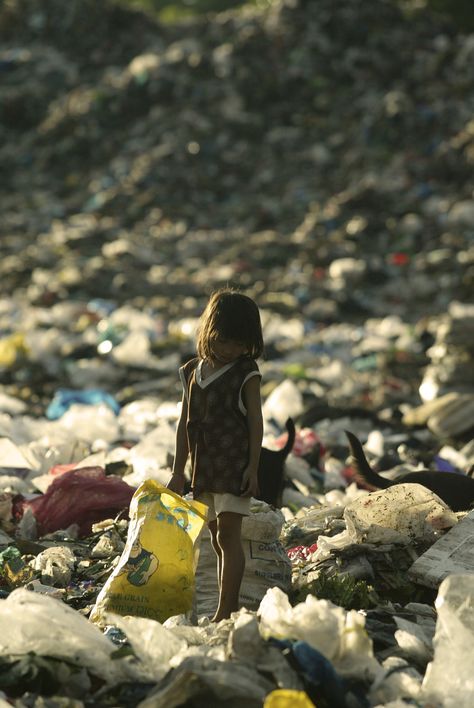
{"points": [[251, 393], [176, 482]]}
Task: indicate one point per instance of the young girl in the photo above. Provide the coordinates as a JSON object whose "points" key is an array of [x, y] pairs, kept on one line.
{"points": [[221, 426]]}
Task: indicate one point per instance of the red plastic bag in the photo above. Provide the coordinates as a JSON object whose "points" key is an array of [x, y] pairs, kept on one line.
{"points": [[82, 496]]}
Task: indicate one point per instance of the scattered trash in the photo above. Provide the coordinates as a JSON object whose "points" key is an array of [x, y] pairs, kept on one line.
{"points": [[291, 152], [56, 565], [338, 635]]}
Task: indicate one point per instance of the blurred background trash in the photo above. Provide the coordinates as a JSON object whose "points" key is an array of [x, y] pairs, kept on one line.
{"points": [[64, 399]]}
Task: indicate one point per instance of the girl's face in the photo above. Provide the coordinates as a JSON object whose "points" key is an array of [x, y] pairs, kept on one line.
{"points": [[226, 350]]}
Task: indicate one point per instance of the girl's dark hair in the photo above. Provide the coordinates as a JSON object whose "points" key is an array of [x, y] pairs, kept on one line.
{"points": [[230, 315]]}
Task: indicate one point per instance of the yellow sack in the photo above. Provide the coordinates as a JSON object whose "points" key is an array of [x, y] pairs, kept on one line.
{"points": [[155, 574]]}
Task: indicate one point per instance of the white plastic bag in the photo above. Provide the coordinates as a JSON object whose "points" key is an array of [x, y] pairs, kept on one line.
{"points": [[154, 645], [263, 523], [90, 422], [449, 679], [284, 401], [339, 635], [151, 457], [404, 513], [32, 622]]}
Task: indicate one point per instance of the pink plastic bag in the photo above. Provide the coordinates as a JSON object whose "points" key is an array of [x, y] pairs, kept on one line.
{"points": [[82, 496]]}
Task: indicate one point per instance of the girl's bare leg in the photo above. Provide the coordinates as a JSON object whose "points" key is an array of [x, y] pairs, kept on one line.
{"points": [[214, 543], [229, 526]]}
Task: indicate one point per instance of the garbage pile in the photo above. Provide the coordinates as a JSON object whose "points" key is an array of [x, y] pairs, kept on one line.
{"points": [[285, 149], [318, 155]]}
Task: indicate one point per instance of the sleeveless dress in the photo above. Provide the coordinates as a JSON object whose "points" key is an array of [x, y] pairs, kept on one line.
{"points": [[216, 425]]}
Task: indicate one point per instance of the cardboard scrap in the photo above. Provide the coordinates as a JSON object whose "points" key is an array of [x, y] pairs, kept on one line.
{"points": [[453, 553]]}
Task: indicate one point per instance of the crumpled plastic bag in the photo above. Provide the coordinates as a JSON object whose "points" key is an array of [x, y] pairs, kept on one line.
{"points": [[449, 679], [339, 635], [83, 497], [32, 622], [404, 513], [398, 679], [210, 682], [153, 644], [263, 523], [155, 574]]}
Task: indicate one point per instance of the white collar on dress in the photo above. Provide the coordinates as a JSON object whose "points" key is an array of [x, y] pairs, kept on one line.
{"points": [[209, 379]]}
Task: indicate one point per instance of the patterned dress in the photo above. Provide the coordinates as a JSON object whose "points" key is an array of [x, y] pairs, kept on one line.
{"points": [[217, 426]]}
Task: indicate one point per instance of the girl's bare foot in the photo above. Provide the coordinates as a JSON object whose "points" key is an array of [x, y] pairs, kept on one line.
{"points": [[219, 617]]}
